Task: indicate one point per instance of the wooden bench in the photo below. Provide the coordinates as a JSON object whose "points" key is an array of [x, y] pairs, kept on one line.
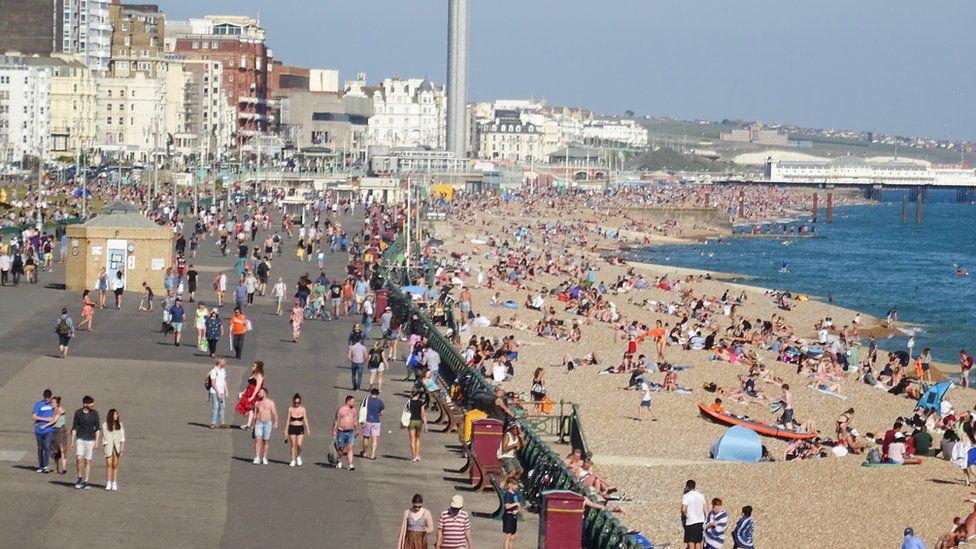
{"points": [[451, 415]]}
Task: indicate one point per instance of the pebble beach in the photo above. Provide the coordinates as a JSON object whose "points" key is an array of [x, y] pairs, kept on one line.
{"points": [[825, 502]]}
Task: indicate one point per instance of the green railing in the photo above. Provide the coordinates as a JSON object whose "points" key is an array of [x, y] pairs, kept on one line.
{"points": [[601, 530]]}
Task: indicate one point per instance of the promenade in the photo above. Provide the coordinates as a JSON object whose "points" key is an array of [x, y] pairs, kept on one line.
{"points": [[180, 483]]}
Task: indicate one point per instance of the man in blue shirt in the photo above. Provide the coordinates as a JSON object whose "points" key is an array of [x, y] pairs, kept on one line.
{"points": [[42, 415], [372, 427], [512, 502], [177, 315]]}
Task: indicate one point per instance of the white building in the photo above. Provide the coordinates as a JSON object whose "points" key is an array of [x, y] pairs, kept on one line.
{"points": [[848, 170], [406, 112], [510, 137], [25, 109], [609, 132], [131, 116], [88, 33]]}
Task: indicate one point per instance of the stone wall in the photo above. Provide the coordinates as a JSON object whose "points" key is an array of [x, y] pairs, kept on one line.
{"points": [[88, 253], [711, 218]]}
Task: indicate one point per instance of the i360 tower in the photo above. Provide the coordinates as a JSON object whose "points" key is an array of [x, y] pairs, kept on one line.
{"points": [[457, 76]]}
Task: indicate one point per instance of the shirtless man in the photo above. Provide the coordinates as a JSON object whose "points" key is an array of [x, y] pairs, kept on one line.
{"points": [[265, 420], [345, 429], [786, 420]]}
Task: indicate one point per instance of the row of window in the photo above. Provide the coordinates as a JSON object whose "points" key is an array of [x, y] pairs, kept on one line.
{"points": [[205, 45]]}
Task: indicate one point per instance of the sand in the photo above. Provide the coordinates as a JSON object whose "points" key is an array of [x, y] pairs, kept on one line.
{"points": [[826, 502]]}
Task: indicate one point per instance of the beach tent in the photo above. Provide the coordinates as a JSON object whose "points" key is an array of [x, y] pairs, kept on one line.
{"points": [[932, 398], [737, 444]]}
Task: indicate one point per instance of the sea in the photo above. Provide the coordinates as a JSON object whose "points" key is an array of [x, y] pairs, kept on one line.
{"points": [[866, 260]]}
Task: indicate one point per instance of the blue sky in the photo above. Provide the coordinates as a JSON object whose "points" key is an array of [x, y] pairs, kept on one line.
{"points": [[884, 65]]}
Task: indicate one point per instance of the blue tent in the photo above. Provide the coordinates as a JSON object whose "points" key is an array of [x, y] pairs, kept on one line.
{"points": [[932, 398], [737, 444]]}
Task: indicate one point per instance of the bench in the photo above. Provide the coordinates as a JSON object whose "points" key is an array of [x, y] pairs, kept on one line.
{"points": [[451, 415]]}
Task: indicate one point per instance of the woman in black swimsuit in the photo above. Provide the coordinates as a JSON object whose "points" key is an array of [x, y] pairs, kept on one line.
{"points": [[296, 429]]}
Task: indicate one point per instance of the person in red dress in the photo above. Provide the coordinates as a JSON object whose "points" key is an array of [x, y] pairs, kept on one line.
{"points": [[255, 381], [87, 311]]}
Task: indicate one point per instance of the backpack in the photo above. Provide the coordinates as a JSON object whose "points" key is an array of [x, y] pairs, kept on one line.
{"points": [[207, 382], [874, 456], [63, 328]]}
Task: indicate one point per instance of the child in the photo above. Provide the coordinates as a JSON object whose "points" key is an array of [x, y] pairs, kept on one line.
{"points": [[147, 299], [645, 403], [742, 533]]}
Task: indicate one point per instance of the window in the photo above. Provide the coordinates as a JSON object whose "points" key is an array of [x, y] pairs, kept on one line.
{"points": [[108, 121], [205, 45], [214, 45], [109, 108], [195, 45]]}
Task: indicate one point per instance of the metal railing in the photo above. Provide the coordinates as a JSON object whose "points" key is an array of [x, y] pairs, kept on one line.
{"points": [[601, 530]]}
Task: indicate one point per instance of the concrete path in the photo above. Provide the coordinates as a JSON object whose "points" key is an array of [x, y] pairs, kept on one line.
{"points": [[181, 484]]}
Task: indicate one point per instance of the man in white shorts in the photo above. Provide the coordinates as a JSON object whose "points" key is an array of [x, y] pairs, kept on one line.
{"points": [[85, 432]]}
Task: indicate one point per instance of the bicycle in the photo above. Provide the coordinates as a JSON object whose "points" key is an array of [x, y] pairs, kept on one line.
{"points": [[322, 313]]}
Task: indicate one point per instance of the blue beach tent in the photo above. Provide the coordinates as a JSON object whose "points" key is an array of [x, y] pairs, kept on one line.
{"points": [[737, 444], [932, 398]]}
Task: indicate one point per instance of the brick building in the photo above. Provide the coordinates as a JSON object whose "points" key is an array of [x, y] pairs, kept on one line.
{"points": [[31, 26]]}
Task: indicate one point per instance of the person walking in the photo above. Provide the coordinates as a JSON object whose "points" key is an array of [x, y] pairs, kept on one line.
{"points": [[85, 433], [238, 327], [742, 534], [101, 285], [200, 325], [214, 330], [345, 429], [278, 293], [220, 287], [693, 516], [454, 527], [265, 421], [296, 319], [5, 263], [177, 314], [251, 284], [376, 364], [357, 359], [65, 330], [218, 394], [297, 428], [255, 382], [118, 287], [113, 442], [367, 319], [43, 416], [87, 311], [372, 427], [59, 438], [416, 526], [418, 420]]}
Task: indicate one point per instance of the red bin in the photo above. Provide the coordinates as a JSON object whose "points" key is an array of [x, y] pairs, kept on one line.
{"points": [[382, 300], [561, 520], [486, 437]]}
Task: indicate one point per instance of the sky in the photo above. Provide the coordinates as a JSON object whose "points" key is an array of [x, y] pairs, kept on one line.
{"points": [[893, 66]]}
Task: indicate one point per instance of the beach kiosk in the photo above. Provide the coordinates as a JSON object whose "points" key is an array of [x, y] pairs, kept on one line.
{"points": [[118, 238]]}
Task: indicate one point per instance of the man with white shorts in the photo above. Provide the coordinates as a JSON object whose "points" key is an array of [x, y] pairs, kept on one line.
{"points": [[85, 432]]}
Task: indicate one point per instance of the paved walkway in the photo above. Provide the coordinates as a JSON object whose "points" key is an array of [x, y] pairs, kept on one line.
{"points": [[181, 484]]}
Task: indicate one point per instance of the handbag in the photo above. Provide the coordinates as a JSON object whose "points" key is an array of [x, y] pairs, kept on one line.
{"points": [[204, 347]]}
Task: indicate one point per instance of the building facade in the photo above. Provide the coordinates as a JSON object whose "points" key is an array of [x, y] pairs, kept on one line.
{"points": [[31, 27], [626, 133], [137, 41], [756, 134], [197, 113], [87, 32], [238, 44], [25, 110], [73, 104], [510, 138], [131, 117], [406, 112]]}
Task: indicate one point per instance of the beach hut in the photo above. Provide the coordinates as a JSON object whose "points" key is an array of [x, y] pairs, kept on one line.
{"points": [[932, 398], [737, 444]]}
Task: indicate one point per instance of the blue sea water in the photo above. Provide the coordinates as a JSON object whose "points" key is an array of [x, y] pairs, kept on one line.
{"points": [[869, 261]]}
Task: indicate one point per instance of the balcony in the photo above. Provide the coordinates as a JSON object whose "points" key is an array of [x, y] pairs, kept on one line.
{"points": [[251, 100], [250, 116]]}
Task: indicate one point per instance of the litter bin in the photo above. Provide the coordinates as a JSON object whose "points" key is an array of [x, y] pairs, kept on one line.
{"points": [[382, 297], [561, 520], [486, 436]]}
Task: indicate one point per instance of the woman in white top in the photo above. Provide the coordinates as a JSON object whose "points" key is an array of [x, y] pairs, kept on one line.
{"points": [[278, 292], [113, 441], [118, 286]]}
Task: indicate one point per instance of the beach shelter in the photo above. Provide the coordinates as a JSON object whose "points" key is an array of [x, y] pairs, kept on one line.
{"points": [[932, 398], [737, 444]]}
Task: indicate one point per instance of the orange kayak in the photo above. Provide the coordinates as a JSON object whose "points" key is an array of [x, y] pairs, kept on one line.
{"points": [[759, 427]]}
